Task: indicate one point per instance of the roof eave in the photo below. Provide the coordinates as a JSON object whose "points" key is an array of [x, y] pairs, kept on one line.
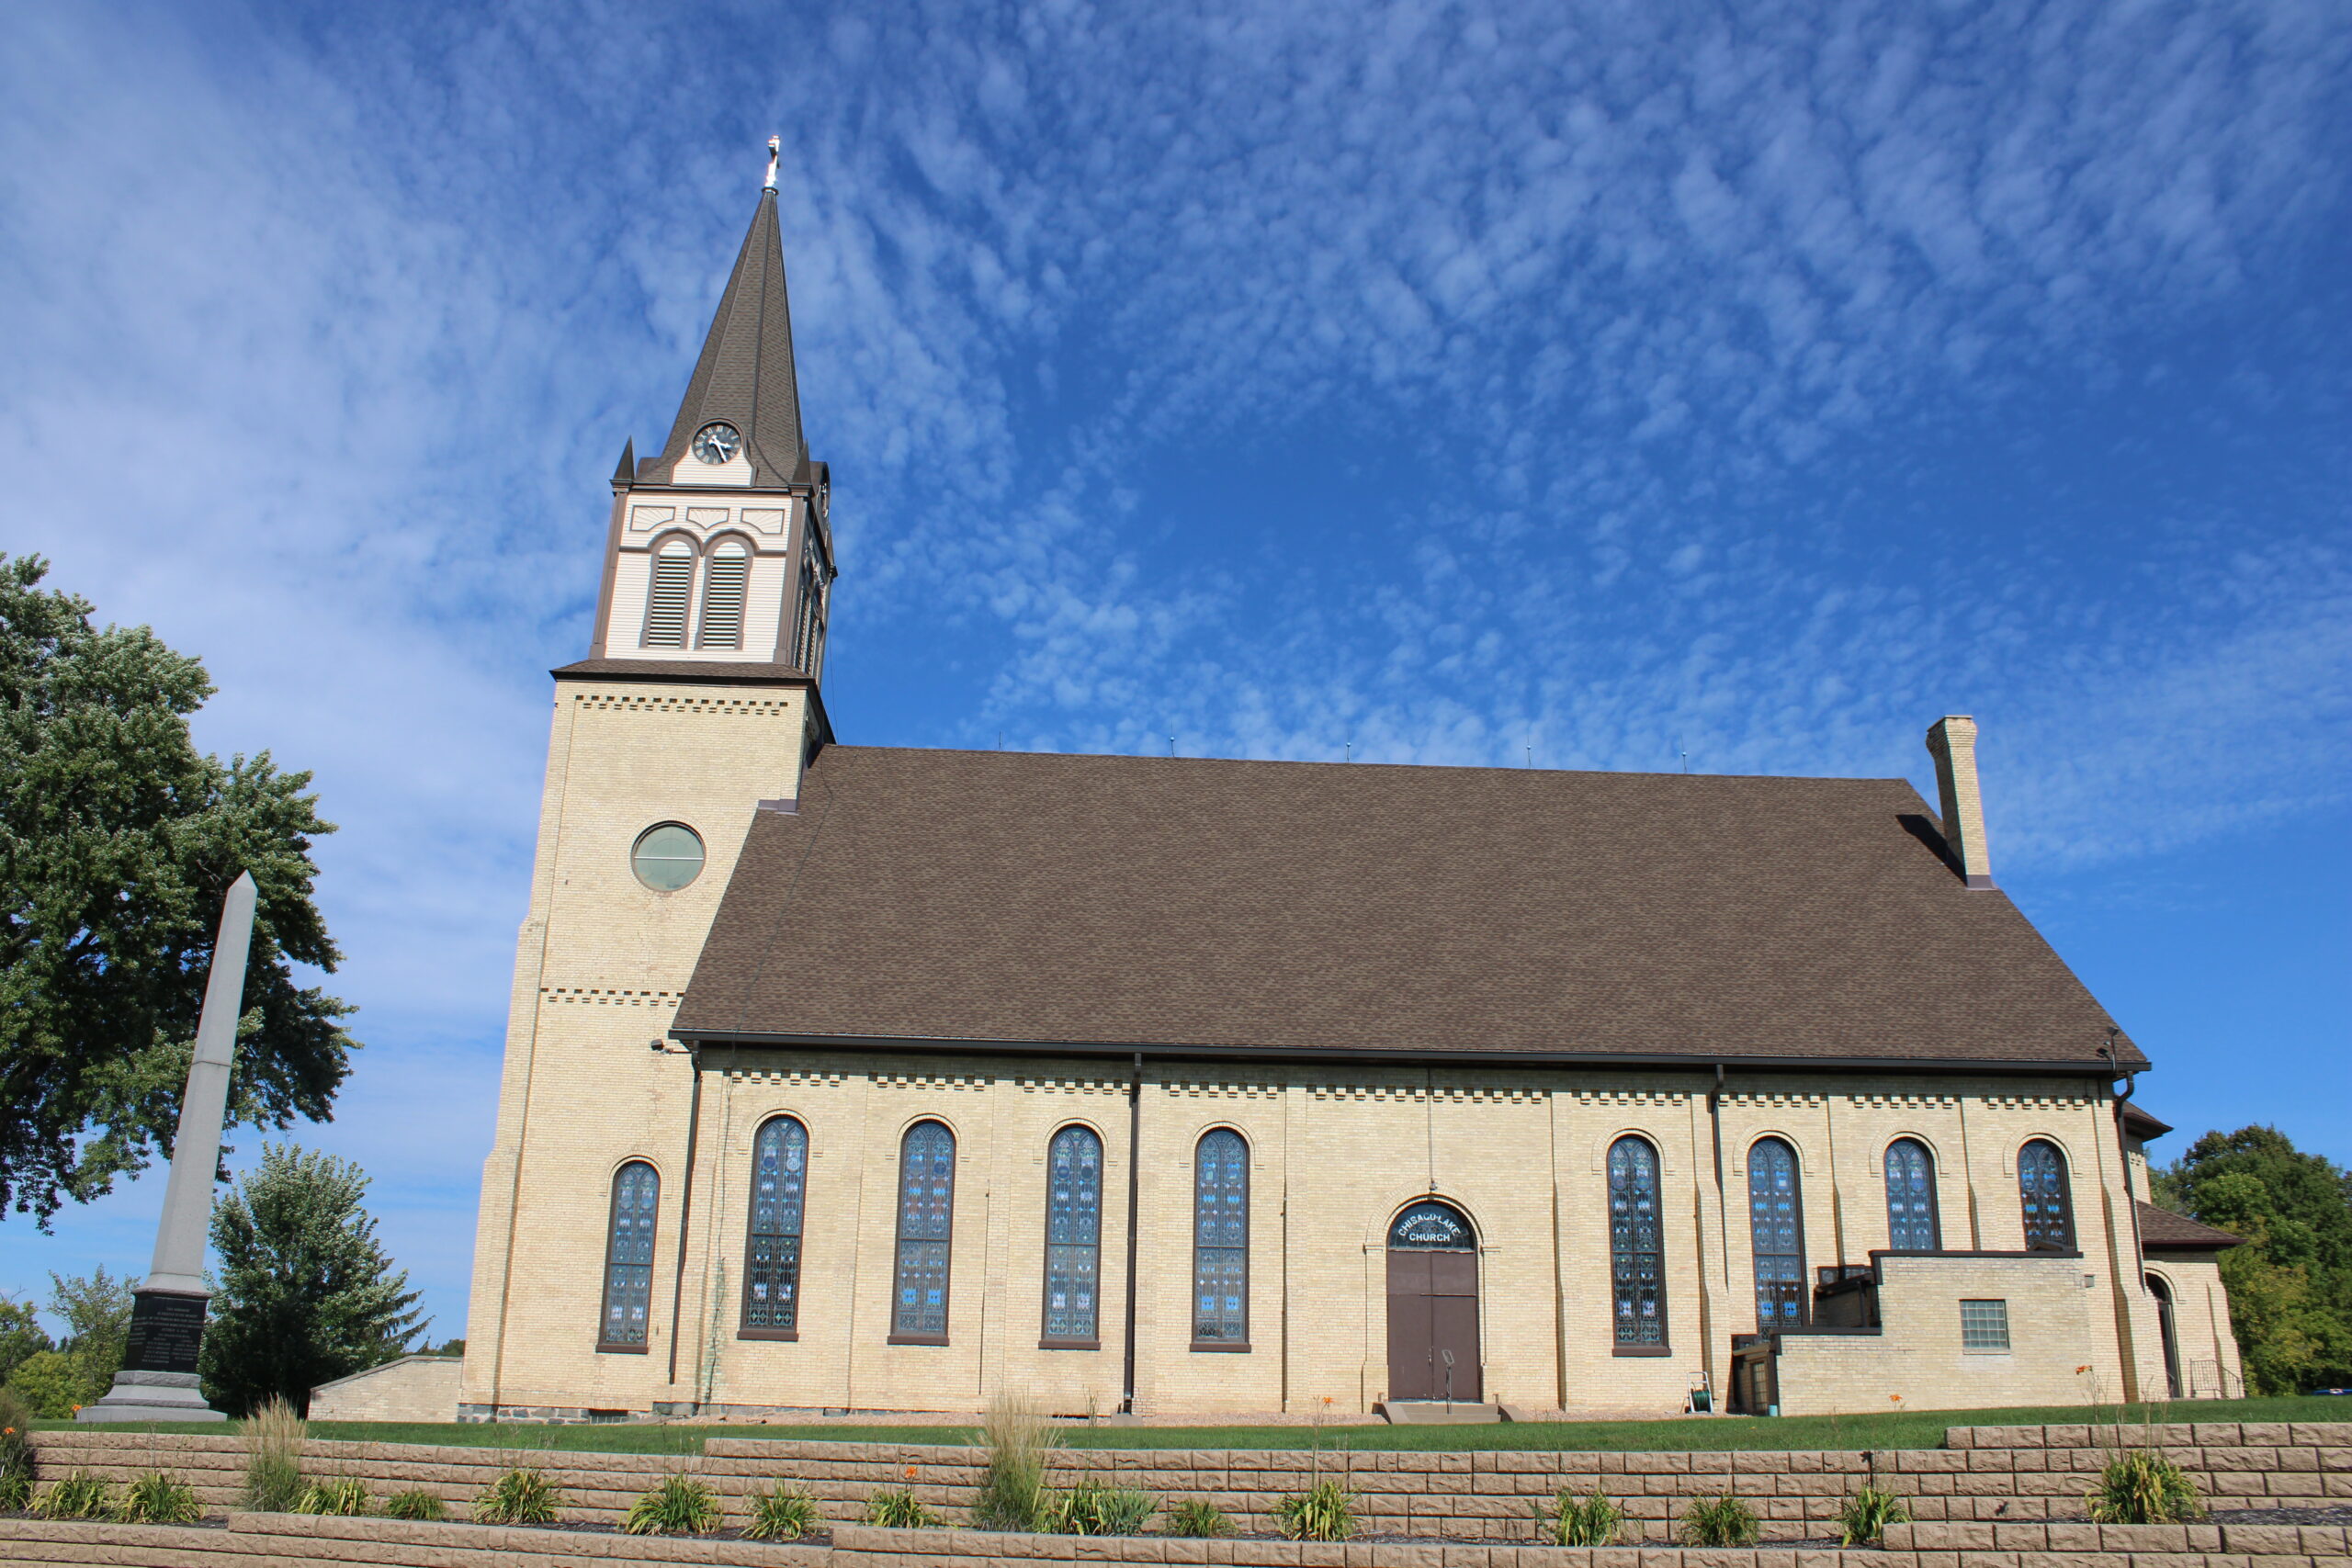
{"points": [[1685, 1060]]}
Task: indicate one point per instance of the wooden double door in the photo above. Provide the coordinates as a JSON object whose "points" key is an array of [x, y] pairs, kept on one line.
{"points": [[1433, 1306]]}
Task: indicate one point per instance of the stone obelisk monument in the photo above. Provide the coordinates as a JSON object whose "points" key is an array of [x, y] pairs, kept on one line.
{"points": [[158, 1381]]}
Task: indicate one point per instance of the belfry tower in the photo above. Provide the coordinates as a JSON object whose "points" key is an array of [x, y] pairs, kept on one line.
{"points": [[720, 551], [697, 708]]}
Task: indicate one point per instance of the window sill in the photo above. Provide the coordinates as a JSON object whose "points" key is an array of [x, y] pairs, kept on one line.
{"points": [[916, 1339], [784, 1335], [1640, 1350], [621, 1350], [1069, 1344], [1223, 1347]]}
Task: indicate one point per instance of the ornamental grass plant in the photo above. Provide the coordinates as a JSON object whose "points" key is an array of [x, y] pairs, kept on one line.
{"points": [[1094, 1508], [1863, 1519], [417, 1505], [1196, 1517], [273, 1436], [679, 1505], [2141, 1486], [76, 1496], [1326, 1511], [781, 1513], [1722, 1520], [340, 1497], [156, 1499], [521, 1497], [1019, 1440], [1591, 1520]]}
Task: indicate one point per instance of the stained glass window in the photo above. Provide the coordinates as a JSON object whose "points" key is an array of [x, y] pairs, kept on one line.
{"points": [[772, 1260], [2049, 1213], [926, 1220], [1636, 1243], [1911, 1196], [629, 1258], [1221, 1239], [1776, 1223], [1073, 1233]]}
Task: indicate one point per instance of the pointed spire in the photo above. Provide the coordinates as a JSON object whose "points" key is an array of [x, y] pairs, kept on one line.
{"points": [[745, 376], [625, 474]]}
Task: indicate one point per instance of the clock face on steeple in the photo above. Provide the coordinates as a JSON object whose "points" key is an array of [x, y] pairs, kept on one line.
{"points": [[718, 443]]}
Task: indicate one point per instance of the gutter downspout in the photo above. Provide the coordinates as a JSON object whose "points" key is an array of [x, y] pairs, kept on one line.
{"points": [[686, 1205], [1135, 1194]]}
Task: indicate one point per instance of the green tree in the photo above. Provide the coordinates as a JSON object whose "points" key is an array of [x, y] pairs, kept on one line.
{"points": [[305, 1293], [80, 1368], [2291, 1284], [118, 841], [21, 1335]]}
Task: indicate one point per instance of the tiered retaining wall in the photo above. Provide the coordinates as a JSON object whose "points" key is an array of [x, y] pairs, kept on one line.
{"points": [[1988, 1473], [272, 1540]]}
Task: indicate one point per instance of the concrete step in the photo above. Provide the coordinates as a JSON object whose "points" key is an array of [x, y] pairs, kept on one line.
{"points": [[1437, 1413]]}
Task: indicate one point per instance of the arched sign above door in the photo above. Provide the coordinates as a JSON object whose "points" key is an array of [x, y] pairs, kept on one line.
{"points": [[1432, 1227]]}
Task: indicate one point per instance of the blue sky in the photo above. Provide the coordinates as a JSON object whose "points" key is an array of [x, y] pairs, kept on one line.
{"points": [[1597, 383]]}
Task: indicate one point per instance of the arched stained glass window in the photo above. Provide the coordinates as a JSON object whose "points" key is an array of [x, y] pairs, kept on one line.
{"points": [[724, 581], [1636, 1243], [1073, 1234], [2049, 1210], [926, 1224], [1221, 1239], [772, 1260], [667, 596], [629, 1258], [1911, 1224], [1776, 1225]]}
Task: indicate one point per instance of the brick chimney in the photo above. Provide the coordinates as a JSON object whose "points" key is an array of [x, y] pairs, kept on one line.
{"points": [[1953, 743]]}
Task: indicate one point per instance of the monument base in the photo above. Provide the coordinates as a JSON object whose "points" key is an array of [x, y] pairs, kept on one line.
{"points": [[158, 1381], [151, 1396]]}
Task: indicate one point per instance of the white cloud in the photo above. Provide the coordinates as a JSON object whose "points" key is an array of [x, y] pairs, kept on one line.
{"points": [[1602, 379]]}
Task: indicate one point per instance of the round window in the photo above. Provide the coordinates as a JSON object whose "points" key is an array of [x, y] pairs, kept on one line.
{"points": [[668, 857]]}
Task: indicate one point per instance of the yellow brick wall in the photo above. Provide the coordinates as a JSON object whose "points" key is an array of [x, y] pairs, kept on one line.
{"points": [[1335, 1152], [600, 961]]}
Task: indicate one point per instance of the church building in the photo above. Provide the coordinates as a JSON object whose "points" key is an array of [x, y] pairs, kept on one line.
{"points": [[859, 1079]]}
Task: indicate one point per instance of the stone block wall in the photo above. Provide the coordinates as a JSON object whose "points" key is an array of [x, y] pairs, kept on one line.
{"points": [[1988, 1475]]}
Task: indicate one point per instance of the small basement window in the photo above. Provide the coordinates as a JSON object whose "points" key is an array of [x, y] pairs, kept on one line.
{"points": [[1984, 1325]]}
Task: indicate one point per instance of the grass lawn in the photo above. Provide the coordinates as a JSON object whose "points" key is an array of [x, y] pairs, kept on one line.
{"points": [[1893, 1429]]}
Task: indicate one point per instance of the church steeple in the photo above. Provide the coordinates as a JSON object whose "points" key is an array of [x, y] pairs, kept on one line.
{"points": [[720, 551], [745, 378]]}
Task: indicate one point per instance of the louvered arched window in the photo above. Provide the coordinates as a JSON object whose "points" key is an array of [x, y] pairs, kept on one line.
{"points": [[667, 596], [629, 1258], [725, 579], [926, 1228], [1911, 1224], [2048, 1207], [1221, 1240], [1636, 1244], [1776, 1226], [772, 1256], [809, 619], [1073, 1236]]}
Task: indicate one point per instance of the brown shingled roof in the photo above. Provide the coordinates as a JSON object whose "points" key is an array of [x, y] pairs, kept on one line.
{"points": [[1124, 902], [2161, 1230]]}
